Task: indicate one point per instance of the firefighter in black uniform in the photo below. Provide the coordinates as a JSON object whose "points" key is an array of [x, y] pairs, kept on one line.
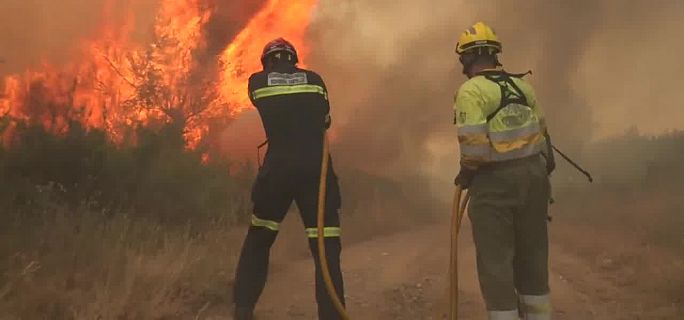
{"points": [[294, 109]]}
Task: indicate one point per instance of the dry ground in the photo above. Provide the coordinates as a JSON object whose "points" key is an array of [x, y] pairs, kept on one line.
{"points": [[403, 276]]}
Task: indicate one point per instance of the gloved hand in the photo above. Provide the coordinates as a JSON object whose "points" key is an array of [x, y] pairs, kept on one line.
{"points": [[465, 177]]}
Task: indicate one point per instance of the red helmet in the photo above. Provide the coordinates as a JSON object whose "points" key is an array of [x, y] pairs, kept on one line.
{"points": [[279, 45]]}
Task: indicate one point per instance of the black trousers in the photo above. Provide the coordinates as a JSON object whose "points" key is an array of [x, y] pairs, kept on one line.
{"points": [[277, 185]]}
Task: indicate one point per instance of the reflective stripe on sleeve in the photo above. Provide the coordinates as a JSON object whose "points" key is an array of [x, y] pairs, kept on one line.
{"points": [[268, 224], [474, 142], [481, 128], [283, 90], [328, 232]]}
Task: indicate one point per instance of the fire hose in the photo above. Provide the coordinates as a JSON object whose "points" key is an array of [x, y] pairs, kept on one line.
{"points": [[320, 225], [457, 213]]}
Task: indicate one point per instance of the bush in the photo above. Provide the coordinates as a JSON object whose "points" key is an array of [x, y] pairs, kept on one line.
{"points": [[153, 178], [94, 230], [637, 188], [637, 158]]}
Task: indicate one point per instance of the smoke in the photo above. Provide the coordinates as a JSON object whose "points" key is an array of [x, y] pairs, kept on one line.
{"points": [[37, 30], [27, 32], [227, 19], [33, 31], [599, 68]]}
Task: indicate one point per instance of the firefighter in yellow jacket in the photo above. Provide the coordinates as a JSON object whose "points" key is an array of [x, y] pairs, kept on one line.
{"points": [[505, 162]]}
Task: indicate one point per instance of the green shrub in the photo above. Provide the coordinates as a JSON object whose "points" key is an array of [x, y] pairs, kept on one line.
{"points": [[637, 158], [155, 177]]}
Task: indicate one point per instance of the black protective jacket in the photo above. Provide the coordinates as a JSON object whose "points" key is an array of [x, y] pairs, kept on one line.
{"points": [[294, 109]]}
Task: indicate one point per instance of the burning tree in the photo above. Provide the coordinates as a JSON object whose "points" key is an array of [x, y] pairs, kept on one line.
{"points": [[118, 85], [93, 150], [164, 93]]}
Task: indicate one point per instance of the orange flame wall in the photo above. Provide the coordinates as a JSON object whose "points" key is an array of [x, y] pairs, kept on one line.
{"points": [[102, 86], [278, 18]]}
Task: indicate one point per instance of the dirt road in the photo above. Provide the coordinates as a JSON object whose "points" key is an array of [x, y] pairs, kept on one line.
{"points": [[403, 277]]}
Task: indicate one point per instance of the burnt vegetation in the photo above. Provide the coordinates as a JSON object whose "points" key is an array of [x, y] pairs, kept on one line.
{"points": [[88, 221], [156, 178], [101, 228], [146, 168]]}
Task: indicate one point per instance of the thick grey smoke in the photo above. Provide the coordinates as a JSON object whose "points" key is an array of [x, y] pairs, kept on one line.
{"points": [[599, 68]]}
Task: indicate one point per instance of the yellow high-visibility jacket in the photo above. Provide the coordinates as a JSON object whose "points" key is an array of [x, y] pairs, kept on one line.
{"points": [[498, 119]]}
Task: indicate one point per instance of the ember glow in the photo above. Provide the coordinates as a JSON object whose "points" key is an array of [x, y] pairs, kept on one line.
{"points": [[116, 84]]}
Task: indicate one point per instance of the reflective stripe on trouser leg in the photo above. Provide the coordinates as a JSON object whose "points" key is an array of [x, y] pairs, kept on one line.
{"points": [[536, 307], [503, 315], [268, 224], [328, 232]]}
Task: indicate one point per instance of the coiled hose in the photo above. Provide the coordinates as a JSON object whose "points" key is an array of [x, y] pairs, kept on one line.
{"points": [[320, 224]]}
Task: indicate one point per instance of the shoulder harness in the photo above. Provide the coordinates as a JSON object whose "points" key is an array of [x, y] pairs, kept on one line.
{"points": [[510, 92]]}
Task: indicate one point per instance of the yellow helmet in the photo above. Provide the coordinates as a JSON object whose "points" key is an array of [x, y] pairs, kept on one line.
{"points": [[479, 35]]}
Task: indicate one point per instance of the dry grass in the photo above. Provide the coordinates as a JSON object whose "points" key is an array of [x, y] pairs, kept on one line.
{"points": [[631, 237], [82, 265]]}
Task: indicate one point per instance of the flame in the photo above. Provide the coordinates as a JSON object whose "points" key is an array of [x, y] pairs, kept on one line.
{"points": [[278, 18], [84, 90], [116, 84]]}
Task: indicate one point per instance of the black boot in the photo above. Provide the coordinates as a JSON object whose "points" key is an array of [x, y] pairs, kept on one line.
{"points": [[244, 313]]}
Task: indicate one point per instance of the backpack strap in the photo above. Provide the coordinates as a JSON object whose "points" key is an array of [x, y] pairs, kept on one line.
{"points": [[508, 96]]}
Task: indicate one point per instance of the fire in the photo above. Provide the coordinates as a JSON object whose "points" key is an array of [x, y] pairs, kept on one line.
{"points": [[116, 83], [85, 90], [278, 18]]}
